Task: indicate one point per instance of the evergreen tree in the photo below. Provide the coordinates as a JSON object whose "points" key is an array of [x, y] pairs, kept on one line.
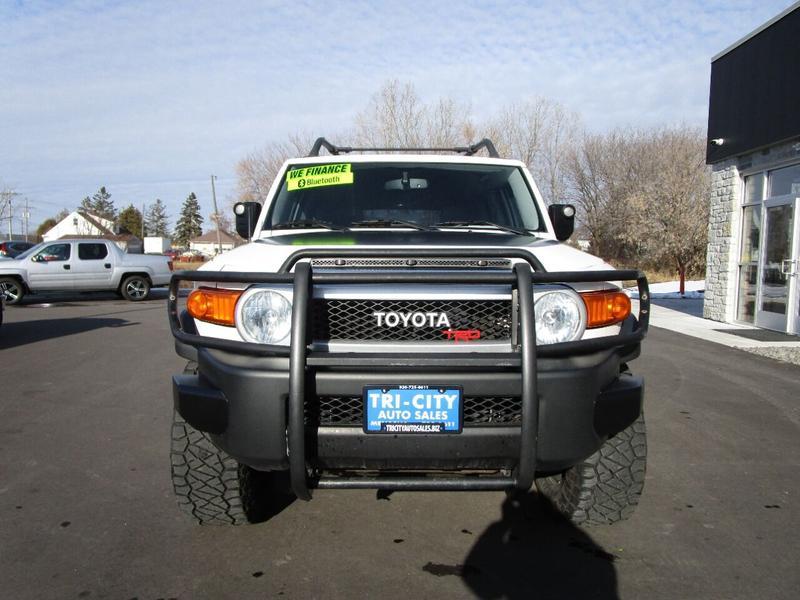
{"points": [[130, 220], [100, 204], [190, 223], [156, 221], [104, 205]]}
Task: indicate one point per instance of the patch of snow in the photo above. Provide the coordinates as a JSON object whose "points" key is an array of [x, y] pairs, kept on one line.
{"points": [[669, 289]]}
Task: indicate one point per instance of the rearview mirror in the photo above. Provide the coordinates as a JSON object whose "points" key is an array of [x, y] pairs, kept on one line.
{"points": [[563, 218], [246, 218], [407, 183]]}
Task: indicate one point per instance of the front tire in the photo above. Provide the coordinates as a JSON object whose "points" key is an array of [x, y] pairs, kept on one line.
{"points": [[605, 488], [135, 288], [212, 488], [205, 480], [12, 289]]}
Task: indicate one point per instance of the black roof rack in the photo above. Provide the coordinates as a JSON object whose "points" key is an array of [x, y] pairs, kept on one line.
{"points": [[467, 150]]}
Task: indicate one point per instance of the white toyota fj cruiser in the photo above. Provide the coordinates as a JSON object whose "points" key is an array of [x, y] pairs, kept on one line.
{"points": [[406, 322]]}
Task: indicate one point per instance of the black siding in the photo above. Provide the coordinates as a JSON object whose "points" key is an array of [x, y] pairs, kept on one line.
{"points": [[755, 91]]}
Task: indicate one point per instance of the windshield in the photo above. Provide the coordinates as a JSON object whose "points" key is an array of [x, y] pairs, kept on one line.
{"points": [[376, 194], [30, 251]]}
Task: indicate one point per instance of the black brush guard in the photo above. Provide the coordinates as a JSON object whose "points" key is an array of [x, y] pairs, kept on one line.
{"points": [[523, 276]]}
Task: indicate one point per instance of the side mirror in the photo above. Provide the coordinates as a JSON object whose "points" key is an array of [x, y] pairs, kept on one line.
{"points": [[37, 258], [563, 218], [246, 218]]}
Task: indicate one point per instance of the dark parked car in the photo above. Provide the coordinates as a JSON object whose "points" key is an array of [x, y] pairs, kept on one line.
{"points": [[12, 249]]}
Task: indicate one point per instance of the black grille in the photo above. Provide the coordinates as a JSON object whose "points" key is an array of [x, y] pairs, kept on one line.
{"points": [[352, 319], [478, 410]]}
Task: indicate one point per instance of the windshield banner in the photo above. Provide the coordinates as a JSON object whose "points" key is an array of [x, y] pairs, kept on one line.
{"points": [[319, 176]]}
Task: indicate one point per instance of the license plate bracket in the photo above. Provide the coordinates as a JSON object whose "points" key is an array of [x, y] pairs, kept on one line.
{"points": [[411, 408]]}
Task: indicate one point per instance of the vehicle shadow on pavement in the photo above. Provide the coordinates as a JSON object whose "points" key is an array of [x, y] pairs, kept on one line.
{"points": [[56, 299], [535, 552], [21, 333]]}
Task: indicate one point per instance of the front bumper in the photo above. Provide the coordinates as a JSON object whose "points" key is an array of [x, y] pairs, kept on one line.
{"points": [[252, 398], [243, 403]]}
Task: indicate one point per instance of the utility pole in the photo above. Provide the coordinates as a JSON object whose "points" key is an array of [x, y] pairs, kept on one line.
{"points": [[216, 214], [6, 196], [144, 206], [26, 215]]}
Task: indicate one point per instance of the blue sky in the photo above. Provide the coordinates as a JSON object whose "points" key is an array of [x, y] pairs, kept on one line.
{"points": [[151, 98]]}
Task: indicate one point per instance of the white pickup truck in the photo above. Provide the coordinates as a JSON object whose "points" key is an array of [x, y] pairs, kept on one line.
{"points": [[82, 265]]}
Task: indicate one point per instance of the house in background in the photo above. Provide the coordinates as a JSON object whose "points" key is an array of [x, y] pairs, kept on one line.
{"points": [[754, 151], [83, 224], [79, 223], [127, 242], [207, 243]]}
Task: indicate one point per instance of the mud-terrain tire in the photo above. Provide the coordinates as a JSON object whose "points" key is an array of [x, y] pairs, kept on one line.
{"points": [[12, 289], [604, 488], [212, 487], [209, 484], [135, 288]]}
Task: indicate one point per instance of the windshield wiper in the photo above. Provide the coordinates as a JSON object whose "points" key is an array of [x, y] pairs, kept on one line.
{"points": [[389, 223], [484, 223], [305, 224]]}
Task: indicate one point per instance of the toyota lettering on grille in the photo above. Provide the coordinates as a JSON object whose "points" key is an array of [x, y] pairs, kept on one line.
{"points": [[416, 319]]}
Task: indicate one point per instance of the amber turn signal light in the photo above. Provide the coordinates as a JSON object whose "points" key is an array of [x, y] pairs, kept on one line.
{"points": [[214, 305], [606, 308]]}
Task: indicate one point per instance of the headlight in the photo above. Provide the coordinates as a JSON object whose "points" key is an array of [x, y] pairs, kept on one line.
{"points": [[560, 316], [264, 316]]}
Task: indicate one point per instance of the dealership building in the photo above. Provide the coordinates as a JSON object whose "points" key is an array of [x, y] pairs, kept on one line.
{"points": [[754, 153]]}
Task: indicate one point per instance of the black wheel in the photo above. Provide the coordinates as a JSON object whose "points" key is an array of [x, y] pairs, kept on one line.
{"points": [[135, 288], [604, 488], [12, 290], [213, 488]]}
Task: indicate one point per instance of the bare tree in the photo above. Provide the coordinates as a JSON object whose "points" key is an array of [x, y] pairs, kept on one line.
{"points": [[562, 131], [541, 133], [393, 117], [604, 171], [448, 124], [643, 195], [397, 117], [670, 212], [223, 221], [256, 171]]}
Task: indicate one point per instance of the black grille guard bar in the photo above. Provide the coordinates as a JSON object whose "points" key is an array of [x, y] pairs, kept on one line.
{"points": [[303, 280], [495, 276]]}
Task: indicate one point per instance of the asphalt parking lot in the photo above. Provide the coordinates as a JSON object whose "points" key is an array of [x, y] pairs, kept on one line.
{"points": [[86, 507]]}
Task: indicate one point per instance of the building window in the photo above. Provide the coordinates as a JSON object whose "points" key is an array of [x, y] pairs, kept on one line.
{"points": [[783, 182], [748, 254], [748, 263]]}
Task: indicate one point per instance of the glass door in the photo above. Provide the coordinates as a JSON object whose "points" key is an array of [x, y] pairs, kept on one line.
{"points": [[778, 294]]}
